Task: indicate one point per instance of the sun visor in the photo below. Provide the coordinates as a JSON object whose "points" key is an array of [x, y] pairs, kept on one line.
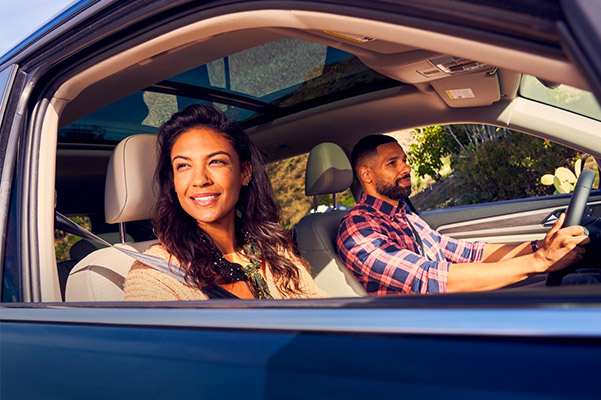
{"points": [[469, 90]]}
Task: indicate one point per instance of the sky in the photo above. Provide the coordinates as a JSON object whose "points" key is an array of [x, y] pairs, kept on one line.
{"points": [[19, 18]]}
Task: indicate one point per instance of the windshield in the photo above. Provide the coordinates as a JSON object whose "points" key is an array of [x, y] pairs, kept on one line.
{"points": [[563, 96]]}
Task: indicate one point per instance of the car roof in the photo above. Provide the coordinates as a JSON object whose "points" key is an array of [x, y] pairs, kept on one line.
{"points": [[403, 72], [52, 25]]}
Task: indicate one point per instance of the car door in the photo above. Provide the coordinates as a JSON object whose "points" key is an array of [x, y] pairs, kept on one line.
{"points": [[476, 345]]}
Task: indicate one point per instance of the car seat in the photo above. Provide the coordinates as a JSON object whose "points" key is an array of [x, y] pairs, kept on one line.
{"points": [[129, 196], [78, 252], [328, 172]]}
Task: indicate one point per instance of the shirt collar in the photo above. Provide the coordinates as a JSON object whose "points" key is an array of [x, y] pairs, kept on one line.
{"points": [[383, 206]]}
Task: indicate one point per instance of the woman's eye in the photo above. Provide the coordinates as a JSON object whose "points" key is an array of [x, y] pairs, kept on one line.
{"points": [[217, 161], [179, 167]]}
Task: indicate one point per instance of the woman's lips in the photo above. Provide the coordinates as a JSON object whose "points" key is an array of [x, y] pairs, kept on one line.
{"points": [[205, 199]]}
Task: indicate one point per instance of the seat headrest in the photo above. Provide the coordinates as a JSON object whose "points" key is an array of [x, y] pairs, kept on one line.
{"points": [[328, 170], [129, 193]]}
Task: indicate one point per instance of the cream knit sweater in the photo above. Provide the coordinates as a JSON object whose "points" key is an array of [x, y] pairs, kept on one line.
{"points": [[147, 284]]}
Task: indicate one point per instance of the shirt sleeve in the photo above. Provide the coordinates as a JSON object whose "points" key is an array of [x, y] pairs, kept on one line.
{"points": [[385, 266], [455, 251]]}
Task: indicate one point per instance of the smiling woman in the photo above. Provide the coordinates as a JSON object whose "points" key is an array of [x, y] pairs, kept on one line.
{"points": [[216, 215]]}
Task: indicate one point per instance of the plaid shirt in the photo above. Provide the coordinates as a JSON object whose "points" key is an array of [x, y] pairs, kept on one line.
{"points": [[376, 242]]}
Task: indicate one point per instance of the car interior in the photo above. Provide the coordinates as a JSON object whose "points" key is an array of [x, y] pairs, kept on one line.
{"points": [[298, 82]]}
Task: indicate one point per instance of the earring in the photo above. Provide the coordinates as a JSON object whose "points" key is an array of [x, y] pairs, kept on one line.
{"points": [[238, 213]]}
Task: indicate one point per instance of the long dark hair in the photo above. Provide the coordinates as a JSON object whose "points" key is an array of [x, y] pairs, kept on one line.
{"points": [[180, 234]]}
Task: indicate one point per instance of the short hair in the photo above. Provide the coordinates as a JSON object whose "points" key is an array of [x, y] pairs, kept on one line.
{"points": [[366, 147]]}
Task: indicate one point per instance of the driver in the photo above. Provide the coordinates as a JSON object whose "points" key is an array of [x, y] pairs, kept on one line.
{"points": [[391, 250]]}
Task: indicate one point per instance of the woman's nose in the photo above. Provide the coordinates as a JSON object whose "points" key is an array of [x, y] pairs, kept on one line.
{"points": [[201, 177]]}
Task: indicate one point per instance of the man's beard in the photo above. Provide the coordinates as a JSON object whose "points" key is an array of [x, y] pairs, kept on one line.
{"points": [[394, 192]]}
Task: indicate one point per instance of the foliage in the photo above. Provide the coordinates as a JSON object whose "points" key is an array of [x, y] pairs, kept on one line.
{"points": [[563, 179], [488, 163], [434, 143], [63, 241], [507, 168]]}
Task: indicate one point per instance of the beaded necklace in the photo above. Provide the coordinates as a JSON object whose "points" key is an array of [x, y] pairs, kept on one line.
{"points": [[234, 272]]}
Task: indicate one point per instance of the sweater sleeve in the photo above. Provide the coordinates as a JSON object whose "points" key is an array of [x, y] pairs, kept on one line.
{"points": [[144, 283]]}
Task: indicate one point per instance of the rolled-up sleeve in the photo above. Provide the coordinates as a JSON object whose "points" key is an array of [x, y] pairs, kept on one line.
{"points": [[384, 266], [454, 250]]}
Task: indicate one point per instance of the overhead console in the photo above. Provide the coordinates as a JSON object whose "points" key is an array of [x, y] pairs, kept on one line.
{"points": [[458, 81]]}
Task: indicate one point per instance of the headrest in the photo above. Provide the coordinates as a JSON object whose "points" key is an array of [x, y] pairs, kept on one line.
{"points": [[128, 192], [328, 170]]}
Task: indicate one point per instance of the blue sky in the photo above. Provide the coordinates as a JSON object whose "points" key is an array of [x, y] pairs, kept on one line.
{"points": [[19, 18]]}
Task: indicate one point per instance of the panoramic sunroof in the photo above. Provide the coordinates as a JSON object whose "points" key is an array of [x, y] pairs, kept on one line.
{"points": [[253, 86]]}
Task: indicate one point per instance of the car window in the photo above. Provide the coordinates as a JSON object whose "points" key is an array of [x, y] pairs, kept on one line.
{"points": [[64, 241], [288, 181], [561, 96], [5, 78], [251, 86], [456, 165]]}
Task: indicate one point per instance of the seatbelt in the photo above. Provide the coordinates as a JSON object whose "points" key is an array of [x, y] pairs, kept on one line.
{"points": [[158, 263], [418, 239]]}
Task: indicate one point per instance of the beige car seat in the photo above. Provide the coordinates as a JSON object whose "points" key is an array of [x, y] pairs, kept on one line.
{"points": [[328, 172], [129, 196]]}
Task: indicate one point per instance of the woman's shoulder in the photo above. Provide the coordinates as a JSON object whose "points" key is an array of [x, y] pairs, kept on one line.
{"points": [[145, 283], [158, 250]]}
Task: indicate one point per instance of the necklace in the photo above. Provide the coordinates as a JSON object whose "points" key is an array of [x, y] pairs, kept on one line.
{"points": [[234, 272]]}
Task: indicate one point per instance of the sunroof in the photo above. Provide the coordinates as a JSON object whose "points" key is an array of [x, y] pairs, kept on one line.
{"points": [[252, 86]]}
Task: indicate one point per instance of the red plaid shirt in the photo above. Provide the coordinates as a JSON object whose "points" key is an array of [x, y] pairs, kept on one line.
{"points": [[376, 242]]}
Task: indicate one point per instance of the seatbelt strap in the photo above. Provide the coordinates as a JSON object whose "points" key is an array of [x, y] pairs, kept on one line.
{"points": [[160, 264], [418, 239]]}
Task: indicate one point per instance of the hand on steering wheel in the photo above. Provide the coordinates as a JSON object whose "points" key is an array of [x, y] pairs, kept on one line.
{"points": [[574, 215]]}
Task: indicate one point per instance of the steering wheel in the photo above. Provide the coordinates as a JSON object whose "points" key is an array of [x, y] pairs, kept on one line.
{"points": [[574, 215]]}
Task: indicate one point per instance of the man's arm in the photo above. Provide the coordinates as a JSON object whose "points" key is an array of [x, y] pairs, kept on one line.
{"points": [[494, 252], [384, 266], [560, 247]]}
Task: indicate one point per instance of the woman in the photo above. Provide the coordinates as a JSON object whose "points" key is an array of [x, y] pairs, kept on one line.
{"points": [[217, 218]]}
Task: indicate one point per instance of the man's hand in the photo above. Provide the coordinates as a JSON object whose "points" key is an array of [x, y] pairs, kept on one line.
{"points": [[561, 247]]}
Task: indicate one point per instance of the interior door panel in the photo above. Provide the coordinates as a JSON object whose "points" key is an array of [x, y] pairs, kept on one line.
{"points": [[510, 221]]}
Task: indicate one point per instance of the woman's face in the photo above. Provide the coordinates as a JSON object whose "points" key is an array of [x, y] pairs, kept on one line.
{"points": [[207, 175]]}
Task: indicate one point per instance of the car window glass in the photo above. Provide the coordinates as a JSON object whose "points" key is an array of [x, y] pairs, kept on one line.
{"points": [[288, 181], [11, 272], [455, 165], [252, 86], [561, 96], [63, 241], [5, 77]]}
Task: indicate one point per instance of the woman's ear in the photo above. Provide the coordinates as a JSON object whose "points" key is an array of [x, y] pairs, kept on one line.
{"points": [[247, 172]]}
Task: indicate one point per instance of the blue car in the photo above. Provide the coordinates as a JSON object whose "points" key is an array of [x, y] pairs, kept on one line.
{"points": [[81, 101]]}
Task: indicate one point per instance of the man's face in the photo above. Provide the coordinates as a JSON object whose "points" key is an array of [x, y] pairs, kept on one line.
{"points": [[392, 175]]}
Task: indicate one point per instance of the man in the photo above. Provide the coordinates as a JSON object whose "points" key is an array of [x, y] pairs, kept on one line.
{"points": [[391, 250]]}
